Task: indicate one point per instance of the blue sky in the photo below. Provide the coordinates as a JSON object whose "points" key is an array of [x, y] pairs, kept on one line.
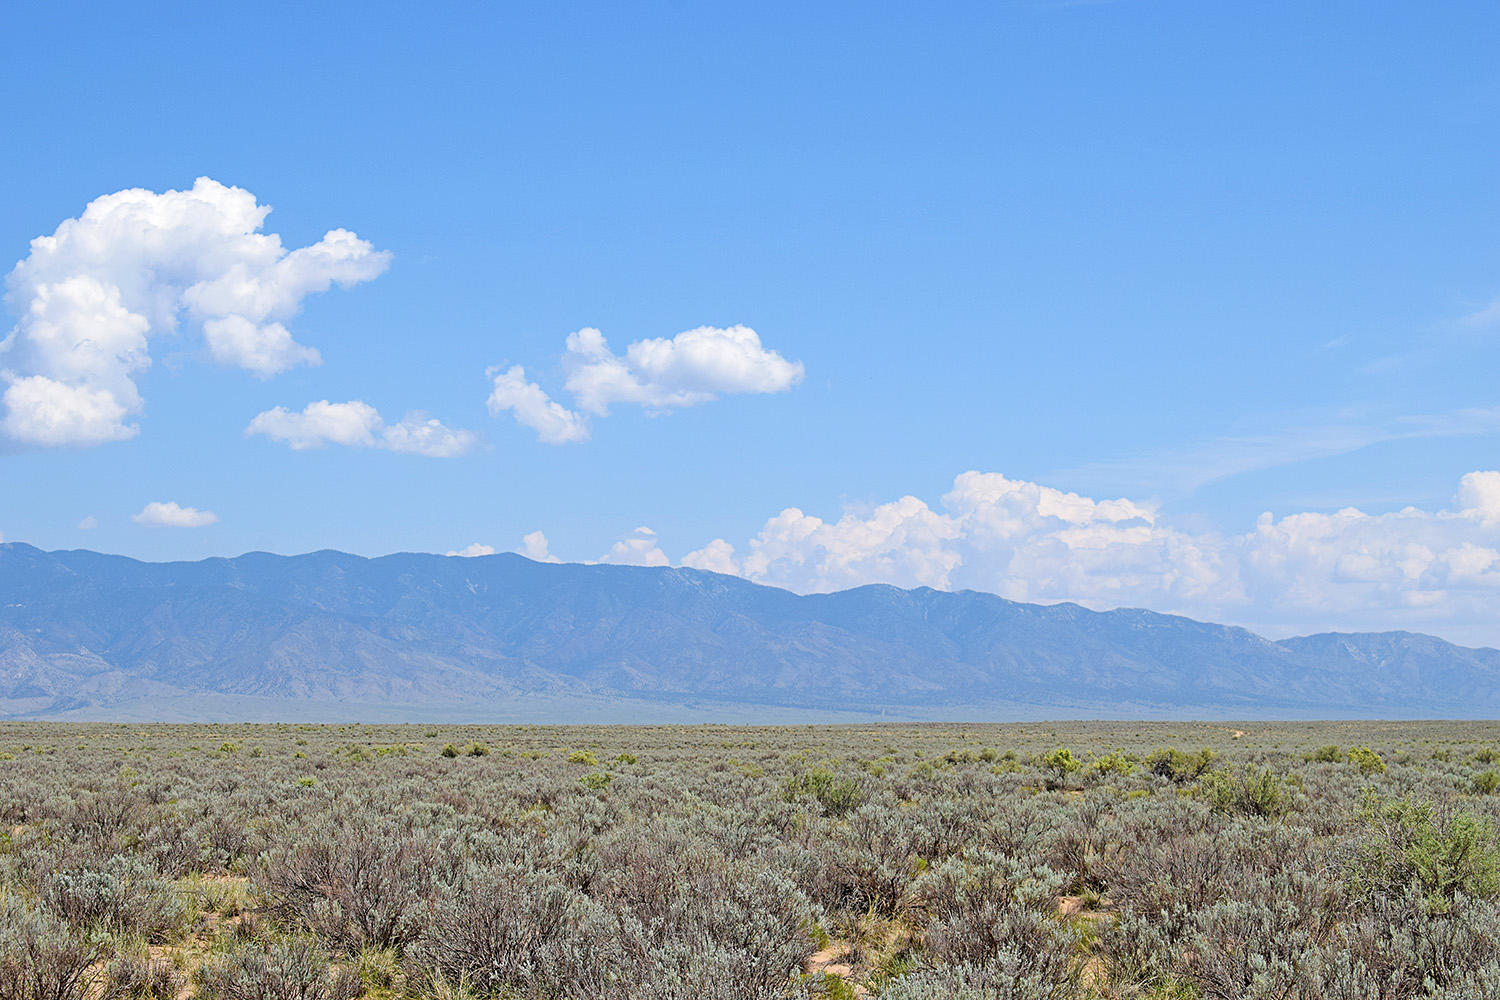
{"points": [[1215, 260]]}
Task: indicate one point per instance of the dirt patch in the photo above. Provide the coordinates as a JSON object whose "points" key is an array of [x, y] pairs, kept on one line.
{"points": [[835, 960], [832, 959], [1073, 908]]}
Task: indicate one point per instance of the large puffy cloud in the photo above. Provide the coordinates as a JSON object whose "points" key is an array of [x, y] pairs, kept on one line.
{"points": [[43, 411], [903, 542], [658, 374], [1015, 538], [135, 265], [1479, 496], [1423, 569], [357, 424], [1033, 542]]}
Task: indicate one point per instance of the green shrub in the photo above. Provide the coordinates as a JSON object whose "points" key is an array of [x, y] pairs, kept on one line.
{"points": [[1180, 767], [1251, 792], [833, 987], [1367, 760], [1486, 782], [1331, 754], [379, 969], [835, 795], [1061, 763], [1116, 762], [583, 757], [1444, 853]]}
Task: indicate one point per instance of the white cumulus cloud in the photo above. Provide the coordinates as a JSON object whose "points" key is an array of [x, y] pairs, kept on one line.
{"points": [[639, 548], [1479, 497], [169, 514], [473, 549], [532, 407], [658, 374], [134, 266], [419, 434], [715, 557], [88, 523], [357, 424], [534, 547], [1433, 570]]}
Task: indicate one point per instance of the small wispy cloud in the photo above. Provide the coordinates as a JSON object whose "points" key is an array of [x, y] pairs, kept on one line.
{"points": [[1486, 317], [1183, 471]]}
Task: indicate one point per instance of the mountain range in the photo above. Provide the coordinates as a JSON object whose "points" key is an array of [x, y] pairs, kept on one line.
{"points": [[329, 636]]}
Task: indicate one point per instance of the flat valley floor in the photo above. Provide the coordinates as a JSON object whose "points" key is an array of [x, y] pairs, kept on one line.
{"points": [[1035, 860]]}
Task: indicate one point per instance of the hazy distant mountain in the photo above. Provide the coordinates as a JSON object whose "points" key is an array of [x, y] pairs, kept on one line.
{"points": [[334, 636]]}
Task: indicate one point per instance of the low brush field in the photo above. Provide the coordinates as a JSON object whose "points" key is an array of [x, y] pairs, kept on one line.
{"points": [[1060, 860]]}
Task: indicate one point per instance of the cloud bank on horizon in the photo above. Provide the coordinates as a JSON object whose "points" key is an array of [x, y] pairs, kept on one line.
{"points": [[1028, 542]]}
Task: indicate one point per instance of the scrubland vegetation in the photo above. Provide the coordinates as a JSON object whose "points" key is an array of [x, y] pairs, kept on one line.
{"points": [[1035, 862]]}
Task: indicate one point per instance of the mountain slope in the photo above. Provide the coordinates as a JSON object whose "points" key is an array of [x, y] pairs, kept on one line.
{"points": [[90, 635]]}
